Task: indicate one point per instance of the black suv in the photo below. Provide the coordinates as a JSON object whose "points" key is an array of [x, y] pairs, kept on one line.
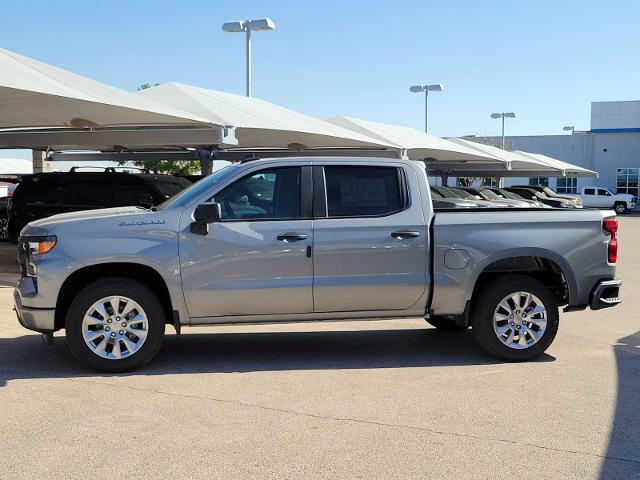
{"points": [[45, 194]]}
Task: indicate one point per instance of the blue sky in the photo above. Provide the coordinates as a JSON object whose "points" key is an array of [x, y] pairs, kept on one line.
{"points": [[545, 60]]}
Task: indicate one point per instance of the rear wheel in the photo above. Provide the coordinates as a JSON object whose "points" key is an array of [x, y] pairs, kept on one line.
{"points": [[620, 208], [444, 323], [115, 325], [515, 318]]}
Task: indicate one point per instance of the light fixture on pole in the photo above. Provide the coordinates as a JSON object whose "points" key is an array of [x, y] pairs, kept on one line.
{"points": [[569, 128], [437, 87], [503, 116], [246, 26]]}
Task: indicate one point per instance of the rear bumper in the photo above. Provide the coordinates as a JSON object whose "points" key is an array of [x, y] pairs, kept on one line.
{"points": [[38, 319], [605, 294]]}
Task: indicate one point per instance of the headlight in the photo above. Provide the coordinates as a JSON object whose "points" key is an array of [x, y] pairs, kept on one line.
{"points": [[30, 248], [40, 245]]}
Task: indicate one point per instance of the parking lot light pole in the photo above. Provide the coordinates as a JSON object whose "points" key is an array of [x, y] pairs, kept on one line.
{"points": [[503, 116], [246, 26], [437, 87]]}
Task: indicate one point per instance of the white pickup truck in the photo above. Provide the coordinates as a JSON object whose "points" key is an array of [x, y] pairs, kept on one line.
{"points": [[600, 197]]}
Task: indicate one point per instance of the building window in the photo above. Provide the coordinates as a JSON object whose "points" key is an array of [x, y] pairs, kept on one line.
{"points": [[627, 181], [567, 185], [490, 182], [539, 181]]}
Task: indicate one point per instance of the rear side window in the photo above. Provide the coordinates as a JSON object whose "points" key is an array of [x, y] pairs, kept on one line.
{"points": [[96, 191], [589, 191], [132, 191], [364, 191]]}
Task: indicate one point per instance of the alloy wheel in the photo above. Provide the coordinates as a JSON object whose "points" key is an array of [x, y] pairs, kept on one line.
{"points": [[115, 327], [520, 320]]}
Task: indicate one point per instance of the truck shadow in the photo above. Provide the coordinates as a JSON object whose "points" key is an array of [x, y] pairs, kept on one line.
{"points": [[622, 459], [27, 357]]}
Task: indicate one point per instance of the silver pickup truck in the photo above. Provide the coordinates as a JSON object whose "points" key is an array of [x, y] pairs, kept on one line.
{"points": [[310, 239]]}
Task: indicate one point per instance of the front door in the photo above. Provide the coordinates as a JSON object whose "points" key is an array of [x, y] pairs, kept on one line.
{"points": [[257, 260], [370, 247]]}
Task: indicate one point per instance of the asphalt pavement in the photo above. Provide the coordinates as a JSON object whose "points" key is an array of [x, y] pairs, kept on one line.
{"points": [[384, 399]]}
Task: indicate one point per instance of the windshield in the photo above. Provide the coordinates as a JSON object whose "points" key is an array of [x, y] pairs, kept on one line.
{"points": [[489, 194], [464, 194], [549, 192], [170, 186], [196, 190]]}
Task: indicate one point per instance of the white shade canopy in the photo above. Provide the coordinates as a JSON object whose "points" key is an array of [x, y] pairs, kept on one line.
{"points": [[418, 145], [35, 95], [516, 163], [568, 168], [260, 124]]}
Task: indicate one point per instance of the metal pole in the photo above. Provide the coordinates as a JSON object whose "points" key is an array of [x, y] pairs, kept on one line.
{"points": [[248, 60], [426, 110], [503, 131]]}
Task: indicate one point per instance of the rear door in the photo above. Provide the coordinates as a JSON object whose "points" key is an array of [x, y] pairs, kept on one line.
{"points": [[370, 239]]}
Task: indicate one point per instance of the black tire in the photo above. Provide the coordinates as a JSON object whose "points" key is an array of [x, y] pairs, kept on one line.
{"points": [[111, 287], [620, 208], [484, 307], [446, 324]]}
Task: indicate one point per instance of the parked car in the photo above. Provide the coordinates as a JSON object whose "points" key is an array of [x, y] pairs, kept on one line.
{"points": [[336, 238], [502, 193], [440, 202], [532, 194], [488, 195], [600, 197], [450, 194], [45, 194], [575, 200], [463, 193]]}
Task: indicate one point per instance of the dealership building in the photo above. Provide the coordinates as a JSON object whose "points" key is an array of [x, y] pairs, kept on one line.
{"points": [[611, 148]]}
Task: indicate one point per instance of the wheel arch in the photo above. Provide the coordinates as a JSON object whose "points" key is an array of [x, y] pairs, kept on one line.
{"points": [[547, 266], [82, 277]]}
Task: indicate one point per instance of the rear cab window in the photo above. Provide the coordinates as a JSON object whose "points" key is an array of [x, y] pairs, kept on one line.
{"points": [[354, 191]]}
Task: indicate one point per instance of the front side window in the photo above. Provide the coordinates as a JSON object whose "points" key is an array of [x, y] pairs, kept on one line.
{"points": [[363, 191], [272, 194], [603, 192]]}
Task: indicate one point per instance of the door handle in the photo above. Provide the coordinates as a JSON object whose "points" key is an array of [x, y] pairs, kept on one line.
{"points": [[292, 237], [405, 234]]}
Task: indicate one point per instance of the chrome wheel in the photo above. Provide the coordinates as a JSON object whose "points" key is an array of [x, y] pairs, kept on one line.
{"points": [[620, 208], [520, 320], [115, 327]]}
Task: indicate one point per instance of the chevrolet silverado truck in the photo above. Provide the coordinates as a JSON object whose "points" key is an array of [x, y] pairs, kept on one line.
{"points": [[310, 239], [600, 197]]}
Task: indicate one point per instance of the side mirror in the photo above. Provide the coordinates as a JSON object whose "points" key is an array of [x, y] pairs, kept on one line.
{"points": [[204, 214]]}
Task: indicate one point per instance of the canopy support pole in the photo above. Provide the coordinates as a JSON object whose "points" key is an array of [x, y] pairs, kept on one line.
{"points": [[40, 162]]}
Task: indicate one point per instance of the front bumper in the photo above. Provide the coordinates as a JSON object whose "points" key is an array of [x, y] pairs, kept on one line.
{"points": [[605, 294], [38, 319]]}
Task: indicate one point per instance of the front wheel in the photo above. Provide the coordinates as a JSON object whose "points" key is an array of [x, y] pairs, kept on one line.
{"points": [[115, 325], [515, 318], [620, 208]]}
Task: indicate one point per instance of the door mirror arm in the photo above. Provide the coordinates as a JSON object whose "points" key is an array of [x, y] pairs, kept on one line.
{"points": [[203, 215]]}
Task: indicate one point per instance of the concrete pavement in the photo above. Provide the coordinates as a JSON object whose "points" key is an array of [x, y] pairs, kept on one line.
{"points": [[388, 399]]}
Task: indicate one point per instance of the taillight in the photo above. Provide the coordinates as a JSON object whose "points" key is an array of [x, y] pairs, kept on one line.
{"points": [[610, 225]]}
